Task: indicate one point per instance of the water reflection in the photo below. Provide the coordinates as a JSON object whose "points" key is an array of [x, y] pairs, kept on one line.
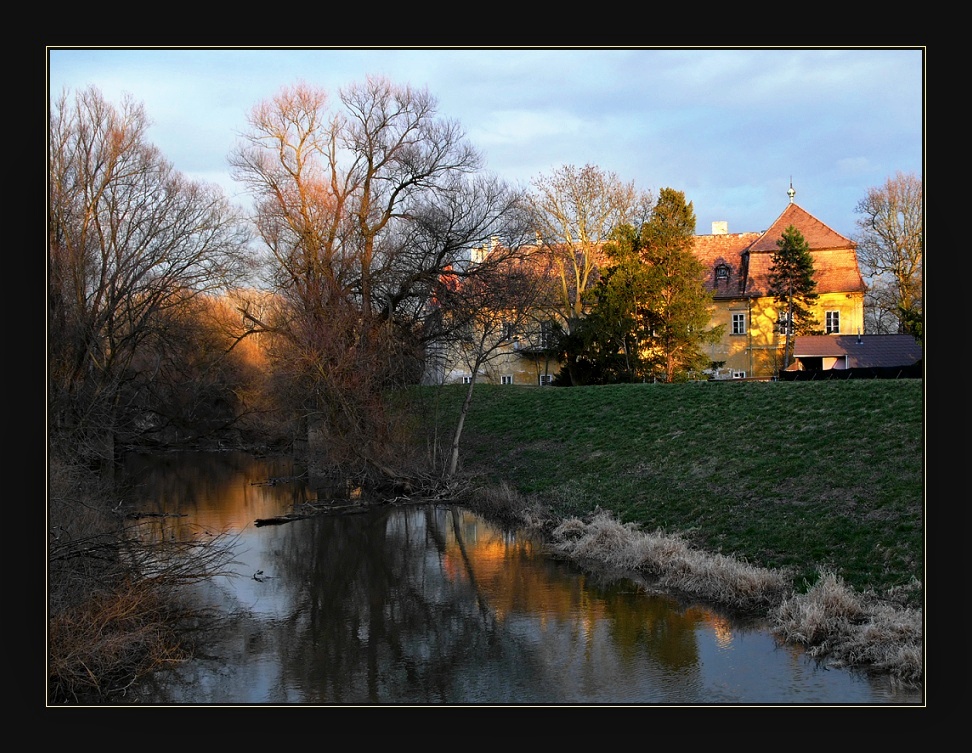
{"points": [[433, 605]]}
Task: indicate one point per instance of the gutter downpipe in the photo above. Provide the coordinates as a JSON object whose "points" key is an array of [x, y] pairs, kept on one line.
{"points": [[749, 331]]}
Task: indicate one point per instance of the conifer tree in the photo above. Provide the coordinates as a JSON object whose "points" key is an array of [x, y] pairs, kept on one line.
{"points": [[651, 309], [602, 347], [792, 284], [675, 304]]}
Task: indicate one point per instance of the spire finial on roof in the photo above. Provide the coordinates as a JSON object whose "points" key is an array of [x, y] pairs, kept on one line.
{"points": [[791, 193]]}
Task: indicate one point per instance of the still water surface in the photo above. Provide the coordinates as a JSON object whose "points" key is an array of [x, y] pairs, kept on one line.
{"points": [[421, 605]]}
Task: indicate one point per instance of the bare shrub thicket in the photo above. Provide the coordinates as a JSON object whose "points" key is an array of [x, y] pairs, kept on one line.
{"points": [[117, 610], [364, 199], [503, 503], [130, 241]]}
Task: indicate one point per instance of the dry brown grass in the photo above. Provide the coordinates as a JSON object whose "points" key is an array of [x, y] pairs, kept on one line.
{"points": [[503, 503], [852, 629], [677, 566]]}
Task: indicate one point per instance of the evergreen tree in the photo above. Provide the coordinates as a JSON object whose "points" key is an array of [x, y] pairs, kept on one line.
{"points": [[674, 304], [603, 346], [651, 308], [792, 284], [617, 306]]}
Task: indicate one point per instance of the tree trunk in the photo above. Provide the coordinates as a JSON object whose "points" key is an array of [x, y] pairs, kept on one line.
{"points": [[454, 452]]}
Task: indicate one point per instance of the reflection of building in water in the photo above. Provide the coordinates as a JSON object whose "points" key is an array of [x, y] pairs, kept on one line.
{"points": [[721, 626], [503, 567], [723, 631], [515, 581]]}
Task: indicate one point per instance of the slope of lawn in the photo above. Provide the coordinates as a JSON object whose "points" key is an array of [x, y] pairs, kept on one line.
{"points": [[798, 475]]}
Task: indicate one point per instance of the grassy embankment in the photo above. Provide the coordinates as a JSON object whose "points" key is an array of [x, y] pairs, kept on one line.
{"points": [[794, 475], [804, 498]]}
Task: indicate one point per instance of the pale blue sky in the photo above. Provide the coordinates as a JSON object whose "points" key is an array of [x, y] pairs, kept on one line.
{"points": [[729, 127]]}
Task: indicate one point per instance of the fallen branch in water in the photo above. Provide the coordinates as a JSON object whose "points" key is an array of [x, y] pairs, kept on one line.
{"points": [[427, 493], [325, 509]]}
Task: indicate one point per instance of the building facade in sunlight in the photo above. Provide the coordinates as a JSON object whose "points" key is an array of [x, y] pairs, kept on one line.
{"points": [[737, 275], [738, 266]]}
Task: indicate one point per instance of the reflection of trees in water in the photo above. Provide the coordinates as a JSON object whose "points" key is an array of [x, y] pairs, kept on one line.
{"points": [[425, 605], [654, 626], [376, 619], [414, 604], [207, 492], [405, 604]]}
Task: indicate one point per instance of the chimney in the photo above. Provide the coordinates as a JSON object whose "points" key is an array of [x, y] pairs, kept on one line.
{"points": [[720, 227]]}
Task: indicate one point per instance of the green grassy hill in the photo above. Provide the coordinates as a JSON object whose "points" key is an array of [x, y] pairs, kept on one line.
{"points": [[801, 475]]}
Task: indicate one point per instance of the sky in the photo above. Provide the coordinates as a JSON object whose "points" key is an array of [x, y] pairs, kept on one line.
{"points": [[731, 128]]}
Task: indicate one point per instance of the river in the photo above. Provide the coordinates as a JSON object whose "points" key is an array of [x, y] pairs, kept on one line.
{"points": [[433, 605]]}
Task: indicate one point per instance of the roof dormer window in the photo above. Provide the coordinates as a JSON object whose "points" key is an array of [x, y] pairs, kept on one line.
{"points": [[722, 272]]}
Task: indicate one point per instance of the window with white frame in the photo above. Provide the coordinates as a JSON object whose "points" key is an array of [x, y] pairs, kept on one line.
{"points": [[833, 322], [506, 379], [739, 324], [546, 379], [466, 379], [782, 317], [738, 374]]}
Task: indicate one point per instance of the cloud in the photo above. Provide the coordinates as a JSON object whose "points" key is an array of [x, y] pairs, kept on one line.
{"points": [[852, 166], [730, 127], [503, 127]]}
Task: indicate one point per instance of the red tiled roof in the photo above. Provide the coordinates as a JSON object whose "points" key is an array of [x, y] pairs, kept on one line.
{"points": [[816, 234], [727, 249], [836, 270], [749, 257], [866, 351]]}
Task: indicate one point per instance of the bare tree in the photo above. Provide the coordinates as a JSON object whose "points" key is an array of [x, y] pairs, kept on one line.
{"points": [[484, 311], [575, 210], [337, 190], [129, 241], [363, 202], [891, 248], [400, 151], [881, 314]]}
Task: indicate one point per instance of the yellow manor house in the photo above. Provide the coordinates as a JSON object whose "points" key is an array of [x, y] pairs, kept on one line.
{"points": [[738, 266]]}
